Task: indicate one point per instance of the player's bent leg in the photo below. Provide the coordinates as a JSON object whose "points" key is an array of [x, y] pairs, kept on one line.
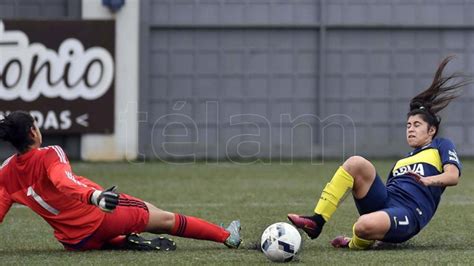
{"points": [[356, 174], [366, 230], [191, 227], [363, 172], [372, 226]]}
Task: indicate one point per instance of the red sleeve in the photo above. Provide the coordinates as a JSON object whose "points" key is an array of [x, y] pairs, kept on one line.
{"points": [[60, 173], [5, 203], [88, 182]]}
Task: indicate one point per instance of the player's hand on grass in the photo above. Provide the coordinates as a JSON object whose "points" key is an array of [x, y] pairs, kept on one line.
{"points": [[106, 200]]}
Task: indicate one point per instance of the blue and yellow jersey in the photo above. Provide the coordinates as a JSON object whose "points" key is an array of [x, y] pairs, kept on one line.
{"points": [[425, 161]]}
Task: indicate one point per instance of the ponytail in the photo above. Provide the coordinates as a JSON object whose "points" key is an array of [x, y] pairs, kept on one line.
{"points": [[15, 128], [5, 130], [439, 94]]}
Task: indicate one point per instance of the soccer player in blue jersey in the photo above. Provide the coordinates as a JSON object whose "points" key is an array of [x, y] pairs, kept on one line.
{"points": [[398, 210]]}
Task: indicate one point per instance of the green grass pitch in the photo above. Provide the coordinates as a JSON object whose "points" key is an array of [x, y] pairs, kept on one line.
{"points": [[257, 194]]}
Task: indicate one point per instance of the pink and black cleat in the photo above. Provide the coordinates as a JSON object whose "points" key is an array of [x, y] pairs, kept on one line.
{"points": [[311, 225], [341, 242]]}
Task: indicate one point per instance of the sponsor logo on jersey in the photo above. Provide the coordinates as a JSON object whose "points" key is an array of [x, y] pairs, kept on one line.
{"points": [[417, 168]]}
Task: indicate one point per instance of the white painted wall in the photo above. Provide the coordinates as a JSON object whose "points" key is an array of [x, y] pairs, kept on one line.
{"points": [[123, 144]]}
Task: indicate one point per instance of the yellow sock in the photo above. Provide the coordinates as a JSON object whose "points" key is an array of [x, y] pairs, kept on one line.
{"points": [[359, 243], [332, 194]]}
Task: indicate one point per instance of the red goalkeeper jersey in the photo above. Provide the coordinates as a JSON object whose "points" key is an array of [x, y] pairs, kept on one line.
{"points": [[42, 179]]}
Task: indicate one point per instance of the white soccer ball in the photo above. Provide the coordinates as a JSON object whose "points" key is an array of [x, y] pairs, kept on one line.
{"points": [[280, 242]]}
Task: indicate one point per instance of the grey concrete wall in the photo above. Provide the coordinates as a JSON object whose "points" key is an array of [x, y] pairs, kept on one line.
{"points": [[274, 79], [40, 9]]}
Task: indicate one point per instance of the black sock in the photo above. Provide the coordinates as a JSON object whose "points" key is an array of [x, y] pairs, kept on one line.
{"points": [[318, 219]]}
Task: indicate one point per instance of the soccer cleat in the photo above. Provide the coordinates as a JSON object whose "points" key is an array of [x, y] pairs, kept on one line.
{"points": [[136, 242], [341, 242], [234, 240], [308, 224]]}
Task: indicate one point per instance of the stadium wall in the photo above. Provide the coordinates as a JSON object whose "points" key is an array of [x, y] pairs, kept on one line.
{"points": [[270, 79], [123, 144], [285, 79], [44, 9]]}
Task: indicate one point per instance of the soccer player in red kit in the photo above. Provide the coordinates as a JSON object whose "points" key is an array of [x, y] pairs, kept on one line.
{"points": [[83, 215]]}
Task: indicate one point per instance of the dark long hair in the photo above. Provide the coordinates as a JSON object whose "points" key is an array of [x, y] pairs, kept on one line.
{"points": [[442, 90], [15, 128]]}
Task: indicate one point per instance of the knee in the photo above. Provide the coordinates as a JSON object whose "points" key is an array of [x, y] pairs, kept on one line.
{"points": [[365, 227], [354, 163], [358, 166]]}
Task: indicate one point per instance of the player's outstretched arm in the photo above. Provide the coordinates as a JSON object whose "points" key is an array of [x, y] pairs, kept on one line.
{"points": [[61, 175], [106, 200]]}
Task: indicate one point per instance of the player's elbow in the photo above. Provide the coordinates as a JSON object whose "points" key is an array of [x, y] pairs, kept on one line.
{"points": [[454, 180], [450, 179], [451, 175]]}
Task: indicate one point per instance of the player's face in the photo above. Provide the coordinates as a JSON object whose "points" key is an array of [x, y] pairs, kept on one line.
{"points": [[419, 133], [36, 134]]}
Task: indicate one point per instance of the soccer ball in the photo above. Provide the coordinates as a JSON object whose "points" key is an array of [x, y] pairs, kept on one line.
{"points": [[280, 242]]}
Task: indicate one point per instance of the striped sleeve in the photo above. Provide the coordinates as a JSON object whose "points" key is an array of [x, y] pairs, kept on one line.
{"points": [[448, 153], [60, 154], [61, 175], [6, 161]]}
